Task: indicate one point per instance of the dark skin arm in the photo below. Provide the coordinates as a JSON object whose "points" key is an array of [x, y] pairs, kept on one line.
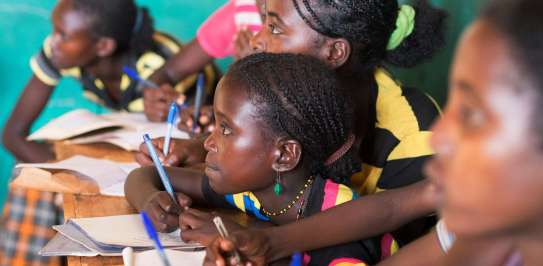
{"points": [[191, 59], [29, 106], [365, 217], [468, 252], [144, 191], [368, 216], [424, 251]]}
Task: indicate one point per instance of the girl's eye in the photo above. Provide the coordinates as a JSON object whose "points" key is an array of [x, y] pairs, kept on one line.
{"points": [[472, 118], [273, 29], [225, 130]]}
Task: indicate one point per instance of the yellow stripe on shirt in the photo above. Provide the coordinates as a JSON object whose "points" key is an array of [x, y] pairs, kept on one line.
{"points": [[415, 145], [394, 113], [40, 74]]}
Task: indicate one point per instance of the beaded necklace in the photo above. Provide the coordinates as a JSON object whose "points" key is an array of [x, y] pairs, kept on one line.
{"points": [[291, 204]]}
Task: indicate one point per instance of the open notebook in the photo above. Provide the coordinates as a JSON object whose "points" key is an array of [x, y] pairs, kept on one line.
{"points": [[107, 236], [122, 129], [86, 176]]}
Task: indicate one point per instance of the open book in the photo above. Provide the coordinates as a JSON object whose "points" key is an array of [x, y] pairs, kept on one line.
{"points": [[78, 174], [107, 236], [121, 129], [60, 245]]}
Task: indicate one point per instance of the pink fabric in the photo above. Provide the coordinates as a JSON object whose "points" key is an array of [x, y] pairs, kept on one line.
{"points": [[386, 244], [216, 35], [307, 259], [330, 195]]}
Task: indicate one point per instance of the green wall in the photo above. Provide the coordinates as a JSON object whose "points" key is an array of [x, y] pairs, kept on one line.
{"points": [[23, 26], [25, 23]]}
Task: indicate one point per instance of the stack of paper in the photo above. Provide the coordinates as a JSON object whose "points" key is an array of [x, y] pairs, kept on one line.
{"points": [[124, 130], [107, 236], [92, 175]]}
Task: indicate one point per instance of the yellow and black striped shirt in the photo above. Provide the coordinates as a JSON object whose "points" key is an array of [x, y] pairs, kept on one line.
{"points": [[131, 98], [401, 137]]}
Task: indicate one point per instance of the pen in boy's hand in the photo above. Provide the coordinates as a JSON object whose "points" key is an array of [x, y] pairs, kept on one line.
{"points": [[154, 236], [171, 120], [161, 172], [133, 74], [224, 234]]}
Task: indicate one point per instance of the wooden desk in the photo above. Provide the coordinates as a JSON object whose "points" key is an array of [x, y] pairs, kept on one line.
{"points": [[80, 206]]}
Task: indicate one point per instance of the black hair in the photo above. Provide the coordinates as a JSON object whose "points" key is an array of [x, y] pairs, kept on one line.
{"points": [[368, 25], [129, 25], [521, 23], [299, 97]]}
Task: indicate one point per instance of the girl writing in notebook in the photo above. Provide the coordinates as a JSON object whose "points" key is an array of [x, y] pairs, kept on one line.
{"points": [[280, 139], [91, 41], [391, 122]]}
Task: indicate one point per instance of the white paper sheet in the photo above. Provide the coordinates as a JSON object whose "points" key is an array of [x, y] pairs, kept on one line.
{"points": [[110, 176]]}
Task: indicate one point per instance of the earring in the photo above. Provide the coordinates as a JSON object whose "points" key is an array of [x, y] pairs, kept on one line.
{"points": [[278, 188]]}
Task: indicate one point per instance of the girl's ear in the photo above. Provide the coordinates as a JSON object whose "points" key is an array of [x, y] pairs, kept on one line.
{"points": [[288, 155], [338, 51], [105, 46]]}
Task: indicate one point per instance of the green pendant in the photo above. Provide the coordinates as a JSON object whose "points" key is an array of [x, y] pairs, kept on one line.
{"points": [[278, 189]]}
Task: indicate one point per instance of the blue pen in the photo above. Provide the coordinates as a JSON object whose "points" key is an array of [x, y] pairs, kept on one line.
{"points": [[296, 259], [154, 236], [198, 100], [171, 120], [133, 74], [159, 168]]}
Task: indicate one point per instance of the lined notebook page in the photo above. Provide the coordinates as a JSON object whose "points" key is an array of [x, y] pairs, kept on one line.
{"points": [[124, 230]]}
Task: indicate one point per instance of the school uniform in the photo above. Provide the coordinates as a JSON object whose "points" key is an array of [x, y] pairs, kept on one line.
{"points": [[323, 194], [131, 94], [400, 143], [29, 214]]}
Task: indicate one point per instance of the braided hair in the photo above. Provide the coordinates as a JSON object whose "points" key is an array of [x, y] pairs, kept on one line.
{"points": [[130, 26], [521, 23], [368, 25], [299, 97]]}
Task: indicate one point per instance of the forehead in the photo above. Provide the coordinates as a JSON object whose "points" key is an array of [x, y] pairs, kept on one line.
{"points": [[285, 10], [69, 19], [483, 60], [232, 101]]}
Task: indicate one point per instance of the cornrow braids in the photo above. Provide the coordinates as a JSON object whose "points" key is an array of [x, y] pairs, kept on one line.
{"points": [[130, 26], [368, 25], [299, 97]]}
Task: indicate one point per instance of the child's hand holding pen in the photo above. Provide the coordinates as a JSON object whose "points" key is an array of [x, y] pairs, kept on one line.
{"points": [[252, 245], [156, 102], [163, 212], [205, 122]]}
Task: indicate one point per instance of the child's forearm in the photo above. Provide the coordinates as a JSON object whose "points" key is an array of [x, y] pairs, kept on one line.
{"points": [[363, 218], [191, 59], [28, 108], [144, 182]]}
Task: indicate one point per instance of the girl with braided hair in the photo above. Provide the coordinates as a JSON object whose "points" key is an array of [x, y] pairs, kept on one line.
{"points": [[279, 142], [91, 41], [392, 122]]}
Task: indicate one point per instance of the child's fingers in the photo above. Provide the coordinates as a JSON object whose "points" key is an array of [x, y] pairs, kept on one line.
{"points": [[157, 215], [142, 158], [166, 203], [188, 220], [213, 252], [184, 200]]}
